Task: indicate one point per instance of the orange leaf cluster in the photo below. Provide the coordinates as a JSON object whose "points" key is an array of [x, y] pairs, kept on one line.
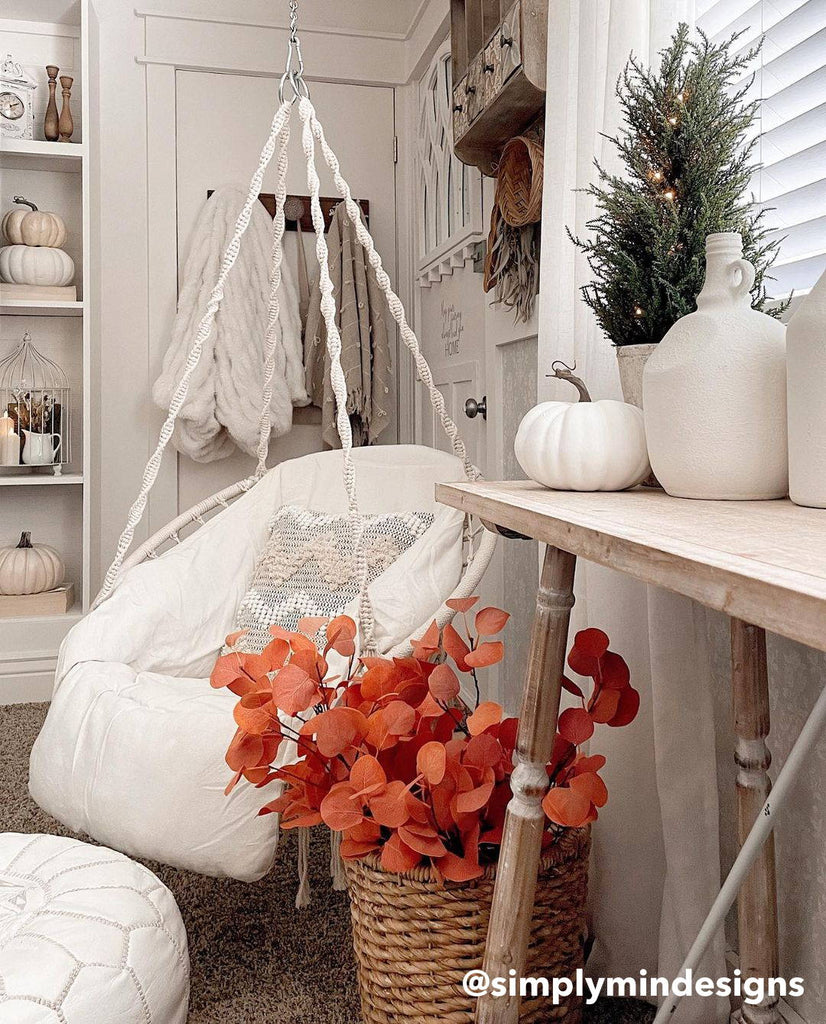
{"points": [[390, 756]]}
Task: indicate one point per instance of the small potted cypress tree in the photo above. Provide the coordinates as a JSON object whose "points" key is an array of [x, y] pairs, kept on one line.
{"points": [[687, 145]]}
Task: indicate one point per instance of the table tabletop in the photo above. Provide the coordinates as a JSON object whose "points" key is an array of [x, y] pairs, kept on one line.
{"points": [[760, 561]]}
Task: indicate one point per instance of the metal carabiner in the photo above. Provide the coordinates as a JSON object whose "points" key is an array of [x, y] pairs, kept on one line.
{"points": [[294, 75]]}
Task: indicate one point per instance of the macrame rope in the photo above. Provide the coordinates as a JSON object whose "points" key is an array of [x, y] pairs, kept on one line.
{"points": [[393, 301], [150, 473], [274, 306], [278, 137], [302, 897], [337, 378]]}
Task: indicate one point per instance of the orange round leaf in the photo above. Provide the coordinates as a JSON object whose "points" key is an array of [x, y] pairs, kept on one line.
{"points": [[389, 808], [566, 807], [629, 705], [614, 673], [591, 642], [431, 762], [605, 706], [490, 621], [488, 713], [592, 786], [576, 726], [488, 653], [444, 683], [339, 810], [397, 856], [367, 775], [461, 604], [294, 690]]}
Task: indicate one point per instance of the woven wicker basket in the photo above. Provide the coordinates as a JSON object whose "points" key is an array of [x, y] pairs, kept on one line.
{"points": [[415, 941], [519, 180]]}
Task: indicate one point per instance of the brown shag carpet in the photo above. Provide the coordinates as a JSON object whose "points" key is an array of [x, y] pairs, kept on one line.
{"points": [[254, 958]]}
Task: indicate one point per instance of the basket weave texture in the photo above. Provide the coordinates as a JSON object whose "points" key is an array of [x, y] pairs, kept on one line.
{"points": [[519, 180], [415, 941]]}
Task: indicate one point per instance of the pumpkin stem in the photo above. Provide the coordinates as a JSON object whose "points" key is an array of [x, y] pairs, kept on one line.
{"points": [[22, 201], [565, 372], [25, 540]]}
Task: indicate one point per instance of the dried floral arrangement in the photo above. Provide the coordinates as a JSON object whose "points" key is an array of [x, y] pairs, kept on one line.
{"points": [[388, 754]]}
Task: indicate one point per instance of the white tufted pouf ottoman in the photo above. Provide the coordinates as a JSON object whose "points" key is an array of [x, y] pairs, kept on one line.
{"points": [[87, 936]]}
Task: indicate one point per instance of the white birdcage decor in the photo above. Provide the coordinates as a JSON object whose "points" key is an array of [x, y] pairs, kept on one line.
{"points": [[35, 419]]}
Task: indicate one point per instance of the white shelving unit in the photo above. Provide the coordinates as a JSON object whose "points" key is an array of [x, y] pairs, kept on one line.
{"points": [[56, 509]]}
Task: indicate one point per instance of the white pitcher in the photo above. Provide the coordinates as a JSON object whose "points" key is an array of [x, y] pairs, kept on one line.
{"points": [[806, 367], [40, 449], [714, 391]]}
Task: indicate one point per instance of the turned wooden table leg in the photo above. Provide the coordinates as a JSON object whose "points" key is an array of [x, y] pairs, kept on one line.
{"points": [[518, 865], [757, 903]]}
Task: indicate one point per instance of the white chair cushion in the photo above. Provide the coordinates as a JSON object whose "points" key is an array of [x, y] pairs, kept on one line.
{"points": [[87, 937], [132, 750]]}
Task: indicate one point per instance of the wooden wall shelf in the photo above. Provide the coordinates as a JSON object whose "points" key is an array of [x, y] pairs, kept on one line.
{"points": [[498, 51]]}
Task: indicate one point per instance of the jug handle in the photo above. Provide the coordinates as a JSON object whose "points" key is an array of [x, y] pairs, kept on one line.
{"points": [[742, 287]]}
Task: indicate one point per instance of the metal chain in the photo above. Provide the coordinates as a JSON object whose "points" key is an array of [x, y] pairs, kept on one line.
{"points": [[294, 75]]}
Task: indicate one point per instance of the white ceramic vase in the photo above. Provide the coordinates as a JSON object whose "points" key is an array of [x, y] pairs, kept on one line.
{"points": [[806, 369], [714, 392]]}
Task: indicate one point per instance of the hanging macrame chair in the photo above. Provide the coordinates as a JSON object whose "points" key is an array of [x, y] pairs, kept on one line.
{"points": [[132, 750]]}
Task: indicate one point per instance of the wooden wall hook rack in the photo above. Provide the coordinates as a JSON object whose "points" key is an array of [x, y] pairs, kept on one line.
{"points": [[328, 205]]}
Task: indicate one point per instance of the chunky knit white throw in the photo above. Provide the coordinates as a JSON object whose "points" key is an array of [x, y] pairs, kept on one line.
{"points": [[223, 406]]}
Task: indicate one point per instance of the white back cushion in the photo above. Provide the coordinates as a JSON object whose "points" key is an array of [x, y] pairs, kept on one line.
{"points": [[171, 614]]}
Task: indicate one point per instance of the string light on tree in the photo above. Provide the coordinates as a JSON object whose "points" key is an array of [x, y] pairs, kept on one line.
{"points": [[687, 143]]}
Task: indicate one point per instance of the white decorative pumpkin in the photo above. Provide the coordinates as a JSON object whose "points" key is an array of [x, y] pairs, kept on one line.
{"points": [[30, 568], [33, 227], [27, 264], [583, 446]]}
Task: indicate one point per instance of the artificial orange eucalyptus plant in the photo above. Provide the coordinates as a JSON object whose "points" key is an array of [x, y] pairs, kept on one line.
{"points": [[390, 756]]}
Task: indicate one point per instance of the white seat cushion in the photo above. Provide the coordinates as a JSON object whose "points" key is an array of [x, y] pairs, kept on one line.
{"points": [[132, 750], [87, 937]]}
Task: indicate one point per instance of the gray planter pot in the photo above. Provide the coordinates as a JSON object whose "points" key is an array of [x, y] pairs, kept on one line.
{"points": [[631, 360]]}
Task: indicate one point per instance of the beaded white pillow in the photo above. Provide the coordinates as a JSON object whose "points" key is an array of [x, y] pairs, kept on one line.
{"points": [[308, 566]]}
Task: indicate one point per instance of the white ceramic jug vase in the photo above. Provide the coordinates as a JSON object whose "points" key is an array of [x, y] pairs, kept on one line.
{"points": [[806, 369], [714, 392]]}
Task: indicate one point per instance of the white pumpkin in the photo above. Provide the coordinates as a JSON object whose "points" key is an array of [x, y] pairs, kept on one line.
{"points": [[33, 227], [26, 264], [30, 568], [583, 446]]}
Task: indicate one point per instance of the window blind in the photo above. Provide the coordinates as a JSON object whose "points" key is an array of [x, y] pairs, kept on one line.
{"points": [[790, 85]]}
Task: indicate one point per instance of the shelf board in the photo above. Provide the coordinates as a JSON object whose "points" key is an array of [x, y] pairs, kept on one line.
{"points": [[34, 155], [22, 307], [40, 479], [62, 623]]}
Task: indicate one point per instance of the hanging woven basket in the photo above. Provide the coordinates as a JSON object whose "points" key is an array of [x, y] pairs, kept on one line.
{"points": [[415, 940], [519, 180]]}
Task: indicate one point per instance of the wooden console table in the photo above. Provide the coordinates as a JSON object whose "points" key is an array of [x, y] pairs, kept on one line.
{"points": [[763, 563]]}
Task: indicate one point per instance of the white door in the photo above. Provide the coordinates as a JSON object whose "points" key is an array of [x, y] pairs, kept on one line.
{"points": [[221, 124], [452, 338]]}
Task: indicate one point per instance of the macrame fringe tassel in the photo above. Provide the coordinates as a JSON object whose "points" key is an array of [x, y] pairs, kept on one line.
{"points": [[302, 898], [336, 866]]}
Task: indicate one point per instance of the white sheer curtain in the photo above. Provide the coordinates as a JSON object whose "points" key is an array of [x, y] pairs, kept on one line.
{"points": [[656, 854]]}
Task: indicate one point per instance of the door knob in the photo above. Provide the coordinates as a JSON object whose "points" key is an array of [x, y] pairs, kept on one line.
{"points": [[474, 408]]}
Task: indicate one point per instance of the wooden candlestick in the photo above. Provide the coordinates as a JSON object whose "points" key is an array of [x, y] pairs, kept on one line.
{"points": [[50, 129], [66, 124]]}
